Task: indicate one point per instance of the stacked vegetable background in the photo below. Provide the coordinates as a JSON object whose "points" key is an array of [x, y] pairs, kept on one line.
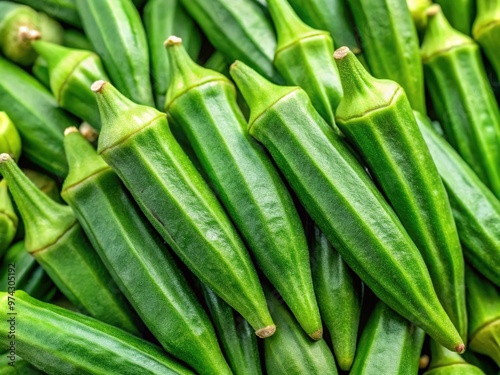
{"points": [[250, 186]]}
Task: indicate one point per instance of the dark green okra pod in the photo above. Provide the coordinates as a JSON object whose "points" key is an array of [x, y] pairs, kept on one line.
{"points": [[202, 103], [463, 99], [389, 344], [115, 29], [486, 30], [217, 61], [483, 303], [63, 10], [343, 201], [376, 117], [8, 218], [475, 208], [163, 18], [71, 72], [56, 240], [132, 251], [59, 341], [338, 291], [10, 141], [137, 143], [304, 57], [445, 362], [390, 45], [460, 13], [236, 336]]}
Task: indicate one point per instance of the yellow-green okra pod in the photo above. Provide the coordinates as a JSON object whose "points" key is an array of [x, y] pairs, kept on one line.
{"points": [[417, 10], [202, 103], [10, 141], [460, 13], [376, 117], [8, 219], [345, 204], [304, 57], [486, 30], [445, 362], [137, 143], [56, 240], [132, 251], [390, 45], [462, 96], [63, 10]]}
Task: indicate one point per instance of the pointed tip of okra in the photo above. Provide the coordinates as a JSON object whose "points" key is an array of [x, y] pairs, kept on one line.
{"points": [[266, 331], [172, 40], [318, 335], [98, 86], [5, 157], [71, 129], [460, 348], [341, 52]]}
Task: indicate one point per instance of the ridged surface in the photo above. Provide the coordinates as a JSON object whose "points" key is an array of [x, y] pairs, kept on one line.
{"points": [[486, 30], [444, 362]]}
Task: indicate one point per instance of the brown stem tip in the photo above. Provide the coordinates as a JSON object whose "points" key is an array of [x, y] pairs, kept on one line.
{"points": [[340, 53], [266, 331], [97, 86], [25, 33], [71, 129], [318, 335], [433, 10], [5, 157], [172, 41], [460, 348]]}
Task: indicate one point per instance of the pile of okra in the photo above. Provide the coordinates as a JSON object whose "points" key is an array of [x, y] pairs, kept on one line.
{"points": [[247, 187]]}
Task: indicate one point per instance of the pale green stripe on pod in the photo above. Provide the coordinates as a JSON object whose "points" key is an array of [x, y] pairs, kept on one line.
{"points": [[389, 344], [460, 13], [417, 10], [138, 260], [342, 200], [202, 103], [10, 141], [115, 29], [390, 45], [163, 18], [137, 143], [486, 30], [444, 362], [236, 336], [475, 208], [63, 10], [376, 117], [71, 72], [56, 240], [240, 30], [59, 341], [290, 351], [8, 219], [463, 99], [338, 291], [483, 303], [304, 57], [76, 39]]}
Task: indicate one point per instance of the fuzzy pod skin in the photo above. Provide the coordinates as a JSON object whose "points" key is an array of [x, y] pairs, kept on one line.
{"points": [[8, 218], [376, 117], [71, 73], [132, 250], [21, 367], [56, 240], [304, 57], [63, 10], [73, 38], [338, 291], [59, 341], [10, 140], [240, 30], [336, 192], [137, 143], [202, 103], [483, 303], [115, 29], [38, 119], [163, 18], [417, 10], [463, 99], [444, 362], [390, 45], [460, 13], [475, 208], [29, 276], [236, 336], [486, 30], [290, 351], [389, 344]]}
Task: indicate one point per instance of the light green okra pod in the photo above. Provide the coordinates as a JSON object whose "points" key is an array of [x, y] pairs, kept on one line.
{"points": [[76, 39], [51, 31], [486, 30], [417, 10], [8, 219], [444, 362], [460, 13], [63, 10], [10, 141]]}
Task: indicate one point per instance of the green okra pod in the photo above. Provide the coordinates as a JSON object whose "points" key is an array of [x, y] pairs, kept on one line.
{"points": [[10, 141], [132, 250], [21, 367], [163, 18], [51, 31], [115, 29], [40, 70], [460, 13], [483, 303], [56, 240], [217, 61], [240, 30], [486, 30], [445, 362], [417, 10], [389, 344], [376, 117], [338, 291], [390, 45], [76, 39], [8, 219], [59, 341], [304, 57], [357, 221], [137, 143], [71, 72], [202, 103], [475, 208], [63, 10]]}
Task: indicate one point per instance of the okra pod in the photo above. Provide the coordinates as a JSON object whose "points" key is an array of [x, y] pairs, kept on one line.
{"points": [[76, 39], [56, 240], [460, 13], [115, 29], [8, 219], [390, 45], [486, 30], [463, 99], [444, 362], [21, 367], [417, 10], [376, 117], [202, 103], [40, 70], [51, 31], [63, 10], [132, 250], [217, 61], [137, 143], [10, 141], [304, 57]]}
